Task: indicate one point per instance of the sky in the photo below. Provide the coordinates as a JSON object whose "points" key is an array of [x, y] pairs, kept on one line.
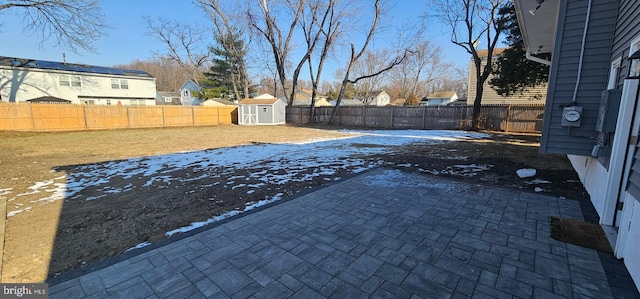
{"points": [[127, 38]]}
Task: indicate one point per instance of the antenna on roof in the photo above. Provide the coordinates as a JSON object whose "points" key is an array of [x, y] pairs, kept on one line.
{"points": [[64, 57]]}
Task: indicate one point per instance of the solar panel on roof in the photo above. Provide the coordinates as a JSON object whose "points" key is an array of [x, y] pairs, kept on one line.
{"points": [[85, 69], [50, 65], [101, 70]]}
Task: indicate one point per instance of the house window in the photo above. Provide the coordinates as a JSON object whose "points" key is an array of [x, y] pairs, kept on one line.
{"points": [[186, 93], [108, 102], [614, 73], [124, 84], [168, 99], [64, 80], [115, 84], [137, 103], [75, 81]]}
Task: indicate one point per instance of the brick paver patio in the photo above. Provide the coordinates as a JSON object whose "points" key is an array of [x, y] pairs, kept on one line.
{"points": [[381, 234]]}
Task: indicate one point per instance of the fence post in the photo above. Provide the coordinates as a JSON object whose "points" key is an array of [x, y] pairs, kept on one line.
{"points": [[424, 117], [193, 116], [364, 116], [508, 120], [392, 117], [33, 122], [218, 110], [126, 109], [84, 112]]}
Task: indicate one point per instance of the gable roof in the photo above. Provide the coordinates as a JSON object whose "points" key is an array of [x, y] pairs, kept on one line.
{"points": [[264, 96], [221, 101], [441, 95], [169, 94], [255, 101], [192, 84], [70, 67], [496, 52]]}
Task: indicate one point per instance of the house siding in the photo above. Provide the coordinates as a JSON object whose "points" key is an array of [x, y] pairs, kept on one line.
{"points": [[24, 84], [564, 74], [534, 95], [626, 30]]}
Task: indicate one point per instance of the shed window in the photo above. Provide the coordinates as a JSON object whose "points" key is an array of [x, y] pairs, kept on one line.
{"points": [[264, 109]]}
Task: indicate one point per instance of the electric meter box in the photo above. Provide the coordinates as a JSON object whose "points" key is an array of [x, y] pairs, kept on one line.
{"points": [[571, 116], [608, 113]]}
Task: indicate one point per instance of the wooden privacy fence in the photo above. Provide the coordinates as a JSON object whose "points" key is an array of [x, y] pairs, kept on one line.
{"points": [[56, 117], [508, 118]]}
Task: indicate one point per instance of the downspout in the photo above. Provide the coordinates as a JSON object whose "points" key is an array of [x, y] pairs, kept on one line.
{"points": [[584, 40]]}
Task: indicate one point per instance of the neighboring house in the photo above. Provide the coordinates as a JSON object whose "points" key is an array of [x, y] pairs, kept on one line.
{"points": [[534, 95], [218, 102], [590, 42], [347, 103], [303, 98], [398, 103], [30, 80], [186, 93], [377, 98], [168, 98], [439, 98], [261, 112]]}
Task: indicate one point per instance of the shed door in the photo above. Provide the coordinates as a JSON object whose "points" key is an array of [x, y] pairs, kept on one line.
{"points": [[249, 114]]}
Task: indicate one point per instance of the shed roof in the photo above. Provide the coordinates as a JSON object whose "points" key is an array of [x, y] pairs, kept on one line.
{"points": [[441, 95], [71, 67], [258, 102]]}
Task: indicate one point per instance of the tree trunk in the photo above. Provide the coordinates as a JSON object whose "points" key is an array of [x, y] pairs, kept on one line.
{"points": [[477, 104]]}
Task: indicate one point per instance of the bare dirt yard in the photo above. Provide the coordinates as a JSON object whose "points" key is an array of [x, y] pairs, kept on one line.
{"points": [[75, 198]]}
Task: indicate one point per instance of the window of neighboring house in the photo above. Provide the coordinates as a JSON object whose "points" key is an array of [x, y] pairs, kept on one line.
{"points": [[108, 102], [168, 99], [137, 103], [124, 84], [64, 80], [75, 81], [115, 84]]}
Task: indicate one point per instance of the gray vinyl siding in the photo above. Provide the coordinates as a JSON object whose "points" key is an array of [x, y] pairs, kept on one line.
{"points": [[564, 71], [627, 28]]}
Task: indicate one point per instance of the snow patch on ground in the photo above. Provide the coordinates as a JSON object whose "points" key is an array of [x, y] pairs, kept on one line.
{"points": [[526, 173], [271, 164], [538, 181]]}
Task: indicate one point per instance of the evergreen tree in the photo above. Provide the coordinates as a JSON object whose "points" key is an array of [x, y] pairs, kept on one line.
{"points": [[514, 73], [226, 77]]}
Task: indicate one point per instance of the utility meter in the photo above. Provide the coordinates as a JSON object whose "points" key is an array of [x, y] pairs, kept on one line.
{"points": [[571, 116]]}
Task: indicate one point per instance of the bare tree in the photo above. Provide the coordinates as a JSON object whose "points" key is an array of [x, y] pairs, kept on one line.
{"points": [[369, 64], [72, 24], [184, 44], [472, 22], [228, 36], [354, 57], [279, 39], [329, 28], [169, 75]]}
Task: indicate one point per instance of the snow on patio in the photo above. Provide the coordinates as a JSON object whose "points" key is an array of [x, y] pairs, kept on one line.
{"points": [[270, 164]]}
